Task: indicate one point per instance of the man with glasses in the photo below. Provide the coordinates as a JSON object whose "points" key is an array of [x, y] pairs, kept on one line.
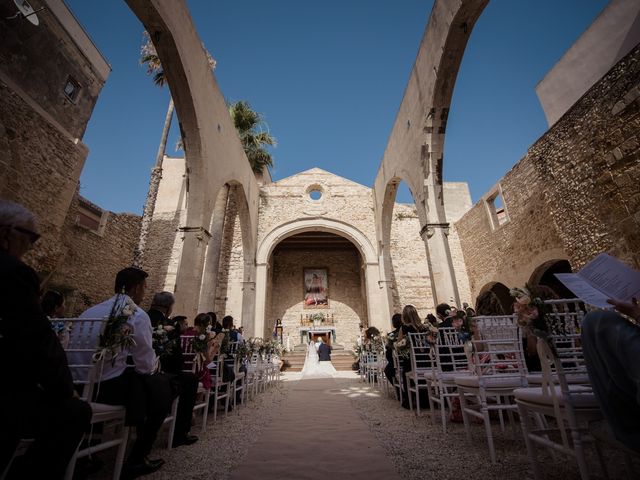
{"points": [[37, 399]]}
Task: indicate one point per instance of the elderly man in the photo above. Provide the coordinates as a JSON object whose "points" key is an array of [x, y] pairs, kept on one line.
{"points": [[185, 382], [37, 399]]}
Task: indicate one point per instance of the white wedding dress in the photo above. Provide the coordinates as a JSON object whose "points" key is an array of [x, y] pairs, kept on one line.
{"points": [[313, 368]]}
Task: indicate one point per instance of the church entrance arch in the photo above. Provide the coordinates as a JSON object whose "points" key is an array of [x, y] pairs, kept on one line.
{"points": [[288, 258]]}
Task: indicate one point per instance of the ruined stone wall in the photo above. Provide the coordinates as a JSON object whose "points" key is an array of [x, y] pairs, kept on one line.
{"points": [[346, 302], [164, 243], [230, 274], [288, 200], [410, 270], [39, 168], [90, 260], [575, 193]]}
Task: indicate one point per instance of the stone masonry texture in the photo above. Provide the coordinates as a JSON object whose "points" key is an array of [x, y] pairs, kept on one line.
{"points": [[575, 194]]}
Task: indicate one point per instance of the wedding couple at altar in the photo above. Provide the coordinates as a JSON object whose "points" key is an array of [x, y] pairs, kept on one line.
{"points": [[318, 360]]}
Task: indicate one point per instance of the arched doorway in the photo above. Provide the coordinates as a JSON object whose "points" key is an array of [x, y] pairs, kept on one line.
{"points": [[545, 275], [316, 286], [494, 299]]}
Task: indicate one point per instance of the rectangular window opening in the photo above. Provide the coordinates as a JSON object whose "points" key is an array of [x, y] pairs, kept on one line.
{"points": [[497, 210]]}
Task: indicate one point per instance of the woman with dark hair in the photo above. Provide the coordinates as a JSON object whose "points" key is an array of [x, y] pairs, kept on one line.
{"points": [[410, 324], [53, 304], [396, 323]]}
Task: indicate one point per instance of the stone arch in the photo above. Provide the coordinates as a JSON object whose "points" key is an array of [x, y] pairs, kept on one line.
{"points": [[500, 293], [213, 151], [416, 144], [376, 307], [384, 246], [544, 275]]}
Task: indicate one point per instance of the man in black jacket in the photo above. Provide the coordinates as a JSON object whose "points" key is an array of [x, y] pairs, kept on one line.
{"points": [[37, 399]]}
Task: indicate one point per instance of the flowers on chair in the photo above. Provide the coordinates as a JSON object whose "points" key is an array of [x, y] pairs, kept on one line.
{"points": [[531, 311], [117, 335], [161, 342], [200, 347]]}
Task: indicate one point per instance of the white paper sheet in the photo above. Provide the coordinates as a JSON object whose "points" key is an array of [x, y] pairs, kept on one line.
{"points": [[602, 278]]}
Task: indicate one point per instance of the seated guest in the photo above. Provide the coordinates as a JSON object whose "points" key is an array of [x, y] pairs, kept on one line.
{"points": [[611, 346], [180, 324], [146, 395], [37, 399], [227, 325], [159, 313], [411, 324], [53, 304], [396, 323], [431, 319], [442, 311], [202, 323]]}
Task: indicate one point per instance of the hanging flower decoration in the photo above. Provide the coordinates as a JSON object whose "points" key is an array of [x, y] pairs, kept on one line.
{"points": [[531, 310], [118, 334], [200, 347]]}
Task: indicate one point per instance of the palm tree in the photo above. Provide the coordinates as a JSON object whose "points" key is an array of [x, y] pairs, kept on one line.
{"points": [[249, 125], [149, 57]]}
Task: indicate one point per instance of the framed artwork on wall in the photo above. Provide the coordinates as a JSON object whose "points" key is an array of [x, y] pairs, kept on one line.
{"points": [[316, 288]]}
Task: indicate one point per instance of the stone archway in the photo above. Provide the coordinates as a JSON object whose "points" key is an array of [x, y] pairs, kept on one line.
{"points": [[213, 151], [499, 295], [545, 275], [377, 306], [415, 147]]}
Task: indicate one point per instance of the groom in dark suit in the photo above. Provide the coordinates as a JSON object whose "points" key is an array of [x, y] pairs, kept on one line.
{"points": [[324, 351]]}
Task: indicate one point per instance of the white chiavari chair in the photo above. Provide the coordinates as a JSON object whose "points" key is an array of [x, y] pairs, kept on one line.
{"points": [[188, 355], [421, 374]]}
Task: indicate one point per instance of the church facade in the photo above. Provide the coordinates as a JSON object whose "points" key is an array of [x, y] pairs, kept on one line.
{"points": [[316, 259]]}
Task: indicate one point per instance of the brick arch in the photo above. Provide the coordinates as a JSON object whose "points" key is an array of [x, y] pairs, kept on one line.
{"points": [[501, 293], [214, 155], [415, 147]]}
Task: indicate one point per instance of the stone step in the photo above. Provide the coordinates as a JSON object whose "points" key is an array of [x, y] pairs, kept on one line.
{"points": [[341, 360]]}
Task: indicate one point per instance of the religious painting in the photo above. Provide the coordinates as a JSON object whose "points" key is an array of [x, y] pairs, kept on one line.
{"points": [[316, 288]]}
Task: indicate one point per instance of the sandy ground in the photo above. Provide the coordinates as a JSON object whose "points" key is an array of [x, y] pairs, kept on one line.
{"points": [[342, 428]]}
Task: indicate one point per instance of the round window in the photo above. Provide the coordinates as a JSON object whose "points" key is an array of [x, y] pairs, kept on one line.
{"points": [[315, 194]]}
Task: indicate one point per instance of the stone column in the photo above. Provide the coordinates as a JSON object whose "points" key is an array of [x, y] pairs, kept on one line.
{"points": [[260, 295], [189, 278], [249, 299], [443, 279], [212, 262], [385, 284]]}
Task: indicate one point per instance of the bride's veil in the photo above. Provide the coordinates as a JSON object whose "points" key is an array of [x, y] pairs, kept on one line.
{"points": [[312, 354]]}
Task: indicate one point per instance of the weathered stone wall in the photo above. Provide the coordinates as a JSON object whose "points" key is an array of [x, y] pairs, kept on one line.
{"points": [[346, 301], [41, 155], [39, 168], [410, 270], [230, 274], [164, 244], [574, 195], [90, 261]]}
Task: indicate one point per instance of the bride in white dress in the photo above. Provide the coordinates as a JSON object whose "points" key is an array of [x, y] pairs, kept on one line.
{"points": [[313, 367]]}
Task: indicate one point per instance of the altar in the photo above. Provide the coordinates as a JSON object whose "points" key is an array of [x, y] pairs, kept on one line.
{"points": [[308, 334]]}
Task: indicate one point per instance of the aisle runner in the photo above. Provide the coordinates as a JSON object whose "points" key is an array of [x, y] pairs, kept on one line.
{"points": [[316, 435]]}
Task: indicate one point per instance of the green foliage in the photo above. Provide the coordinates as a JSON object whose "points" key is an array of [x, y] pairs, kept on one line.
{"points": [[249, 126]]}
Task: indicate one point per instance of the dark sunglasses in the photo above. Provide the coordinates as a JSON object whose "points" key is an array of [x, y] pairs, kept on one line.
{"points": [[33, 236]]}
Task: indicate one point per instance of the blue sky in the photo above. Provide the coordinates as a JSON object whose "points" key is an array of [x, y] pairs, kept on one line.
{"points": [[329, 77]]}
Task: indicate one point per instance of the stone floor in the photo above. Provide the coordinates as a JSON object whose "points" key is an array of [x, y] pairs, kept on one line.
{"points": [[341, 428]]}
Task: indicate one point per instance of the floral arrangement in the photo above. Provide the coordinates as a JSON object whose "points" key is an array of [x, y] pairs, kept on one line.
{"points": [[200, 347], [357, 350], [531, 310], [272, 347], [375, 344], [317, 317], [118, 334], [161, 342]]}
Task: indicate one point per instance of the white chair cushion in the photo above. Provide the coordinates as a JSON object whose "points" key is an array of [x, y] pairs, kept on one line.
{"points": [[584, 398], [572, 378], [451, 376], [497, 381]]}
